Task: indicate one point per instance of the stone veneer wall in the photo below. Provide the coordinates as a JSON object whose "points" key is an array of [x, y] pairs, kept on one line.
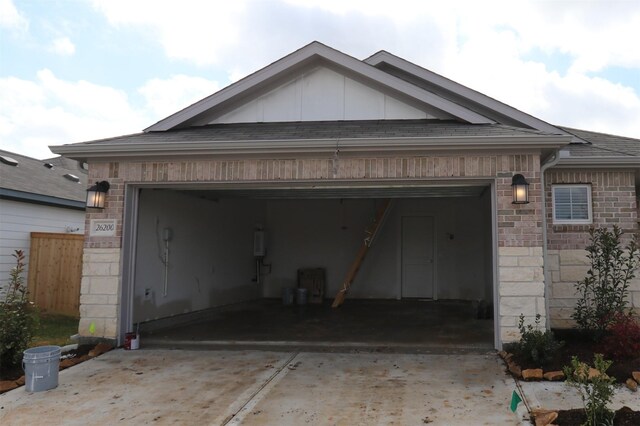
{"points": [[566, 268], [613, 197], [100, 291], [519, 226]]}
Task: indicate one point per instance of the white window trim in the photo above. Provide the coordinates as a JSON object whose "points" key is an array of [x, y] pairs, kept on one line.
{"points": [[587, 221]]}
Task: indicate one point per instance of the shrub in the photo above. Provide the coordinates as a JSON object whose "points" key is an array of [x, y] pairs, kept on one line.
{"points": [[596, 391], [604, 291], [622, 340], [18, 319], [537, 345]]}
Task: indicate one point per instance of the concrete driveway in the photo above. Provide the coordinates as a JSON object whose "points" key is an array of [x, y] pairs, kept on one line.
{"points": [[274, 388]]}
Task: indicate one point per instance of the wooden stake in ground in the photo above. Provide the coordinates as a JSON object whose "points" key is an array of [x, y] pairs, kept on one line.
{"points": [[370, 234]]}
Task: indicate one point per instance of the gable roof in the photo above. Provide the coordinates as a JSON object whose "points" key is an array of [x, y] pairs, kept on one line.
{"points": [[32, 181], [458, 93], [465, 119], [308, 55]]}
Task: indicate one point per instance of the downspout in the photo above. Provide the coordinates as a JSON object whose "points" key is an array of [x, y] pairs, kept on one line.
{"points": [[547, 281]]}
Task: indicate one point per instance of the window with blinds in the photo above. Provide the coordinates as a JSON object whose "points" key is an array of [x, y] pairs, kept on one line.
{"points": [[571, 204]]}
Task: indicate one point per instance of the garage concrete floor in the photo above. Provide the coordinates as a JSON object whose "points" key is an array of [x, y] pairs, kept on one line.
{"points": [[402, 325], [271, 388]]}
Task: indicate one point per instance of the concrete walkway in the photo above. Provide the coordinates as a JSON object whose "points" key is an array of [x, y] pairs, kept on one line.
{"points": [[271, 388]]}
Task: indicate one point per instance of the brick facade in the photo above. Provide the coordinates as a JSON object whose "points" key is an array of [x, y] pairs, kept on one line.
{"points": [[613, 199], [613, 203], [519, 226]]}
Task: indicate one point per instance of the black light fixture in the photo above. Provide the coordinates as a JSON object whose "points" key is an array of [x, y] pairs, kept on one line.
{"points": [[97, 194], [520, 188]]}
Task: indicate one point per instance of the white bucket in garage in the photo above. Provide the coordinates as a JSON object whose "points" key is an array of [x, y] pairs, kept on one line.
{"points": [[301, 296], [287, 296]]}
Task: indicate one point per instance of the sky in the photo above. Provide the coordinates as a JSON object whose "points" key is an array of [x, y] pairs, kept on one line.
{"points": [[78, 70]]}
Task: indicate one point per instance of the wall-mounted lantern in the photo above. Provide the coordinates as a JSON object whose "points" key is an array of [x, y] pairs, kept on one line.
{"points": [[520, 188], [96, 195]]}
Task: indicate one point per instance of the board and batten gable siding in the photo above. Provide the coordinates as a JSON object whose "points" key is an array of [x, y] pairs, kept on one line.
{"points": [[519, 230], [19, 220], [613, 202], [321, 94]]}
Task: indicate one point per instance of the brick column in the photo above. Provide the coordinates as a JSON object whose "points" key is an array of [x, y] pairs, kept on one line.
{"points": [[520, 255]]}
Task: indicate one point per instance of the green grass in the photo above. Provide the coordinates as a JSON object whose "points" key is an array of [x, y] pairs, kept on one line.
{"points": [[55, 330]]}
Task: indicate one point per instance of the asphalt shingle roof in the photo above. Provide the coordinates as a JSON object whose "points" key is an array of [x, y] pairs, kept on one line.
{"points": [[31, 176], [602, 145], [320, 130]]}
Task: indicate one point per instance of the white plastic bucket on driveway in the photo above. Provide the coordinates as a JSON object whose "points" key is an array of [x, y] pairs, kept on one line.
{"points": [[41, 367]]}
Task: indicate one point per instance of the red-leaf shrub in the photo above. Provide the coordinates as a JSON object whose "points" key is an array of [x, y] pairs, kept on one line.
{"points": [[622, 340]]}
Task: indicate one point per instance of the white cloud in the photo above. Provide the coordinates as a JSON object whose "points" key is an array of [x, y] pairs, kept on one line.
{"points": [[486, 45], [592, 103], [165, 97], [51, 111], [62, 46], [10, 18], [493, 60], [189, 29]]}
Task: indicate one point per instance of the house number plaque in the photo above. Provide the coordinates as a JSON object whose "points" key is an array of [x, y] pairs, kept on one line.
{"points": [[103, 228]]}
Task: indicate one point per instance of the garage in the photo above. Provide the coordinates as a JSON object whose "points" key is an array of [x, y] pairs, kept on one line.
{"points": [[300, 156], [216, 265]]}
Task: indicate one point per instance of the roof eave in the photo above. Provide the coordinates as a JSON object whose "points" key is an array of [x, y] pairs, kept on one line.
{"points": [[42, 199], [310, 146]]}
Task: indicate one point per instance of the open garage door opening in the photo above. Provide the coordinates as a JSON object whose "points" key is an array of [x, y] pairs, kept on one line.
{"points": [[223, 266]]}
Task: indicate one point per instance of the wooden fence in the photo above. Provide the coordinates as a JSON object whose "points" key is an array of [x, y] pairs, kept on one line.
{"points": [[55, 271]]}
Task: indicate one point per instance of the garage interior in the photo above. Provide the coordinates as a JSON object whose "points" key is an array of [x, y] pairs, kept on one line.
{"points": [[219, 266]]}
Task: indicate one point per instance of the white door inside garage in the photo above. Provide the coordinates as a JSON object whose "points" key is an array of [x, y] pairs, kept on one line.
{"points": [[417, 257]]}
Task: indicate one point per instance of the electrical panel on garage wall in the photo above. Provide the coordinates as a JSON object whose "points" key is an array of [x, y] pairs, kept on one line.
{"points": [[259, 244]]}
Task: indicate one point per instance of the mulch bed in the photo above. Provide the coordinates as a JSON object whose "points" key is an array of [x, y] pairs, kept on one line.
{"points": [[624, 417], [576, 344]]}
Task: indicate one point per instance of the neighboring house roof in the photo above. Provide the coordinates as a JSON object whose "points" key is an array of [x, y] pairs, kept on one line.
{"points": [[318, 136], [56, 181]]}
